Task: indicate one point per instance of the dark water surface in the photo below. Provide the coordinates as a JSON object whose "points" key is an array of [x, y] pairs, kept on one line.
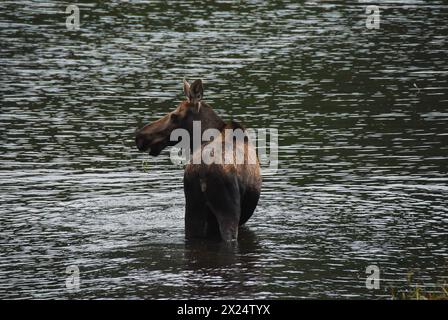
{"points": [[363, 147]]}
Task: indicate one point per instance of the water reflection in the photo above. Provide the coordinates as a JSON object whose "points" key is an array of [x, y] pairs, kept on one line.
{"points": [[213, 254]]}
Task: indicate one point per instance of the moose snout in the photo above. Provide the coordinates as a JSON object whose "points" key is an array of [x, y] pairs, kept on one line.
{"points": [[141, 141]]}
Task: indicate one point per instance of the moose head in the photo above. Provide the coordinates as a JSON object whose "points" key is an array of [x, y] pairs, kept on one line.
{"points": [[155, 136]]}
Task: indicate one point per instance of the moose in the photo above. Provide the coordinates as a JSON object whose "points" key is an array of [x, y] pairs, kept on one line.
{"points": [[220, 196]]}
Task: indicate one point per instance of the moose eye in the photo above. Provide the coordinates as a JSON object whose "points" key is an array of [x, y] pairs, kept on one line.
{"points": [[174, 117], [198, 96]]}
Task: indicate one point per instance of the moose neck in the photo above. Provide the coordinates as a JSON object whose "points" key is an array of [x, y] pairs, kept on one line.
{"points": [[209, 120]]}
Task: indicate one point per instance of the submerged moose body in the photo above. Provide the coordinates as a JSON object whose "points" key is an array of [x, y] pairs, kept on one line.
{"points": [[220, 195]]}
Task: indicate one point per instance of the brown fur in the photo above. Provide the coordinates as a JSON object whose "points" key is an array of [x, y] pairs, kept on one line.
{"points": [[248, 172]]}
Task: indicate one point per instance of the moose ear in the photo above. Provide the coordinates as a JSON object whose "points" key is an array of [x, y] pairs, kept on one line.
{"points": [[196, 91], [187, 89]]}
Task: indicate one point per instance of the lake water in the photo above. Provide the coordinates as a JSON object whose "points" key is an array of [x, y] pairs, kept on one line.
{"points": [[363, 147]]}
